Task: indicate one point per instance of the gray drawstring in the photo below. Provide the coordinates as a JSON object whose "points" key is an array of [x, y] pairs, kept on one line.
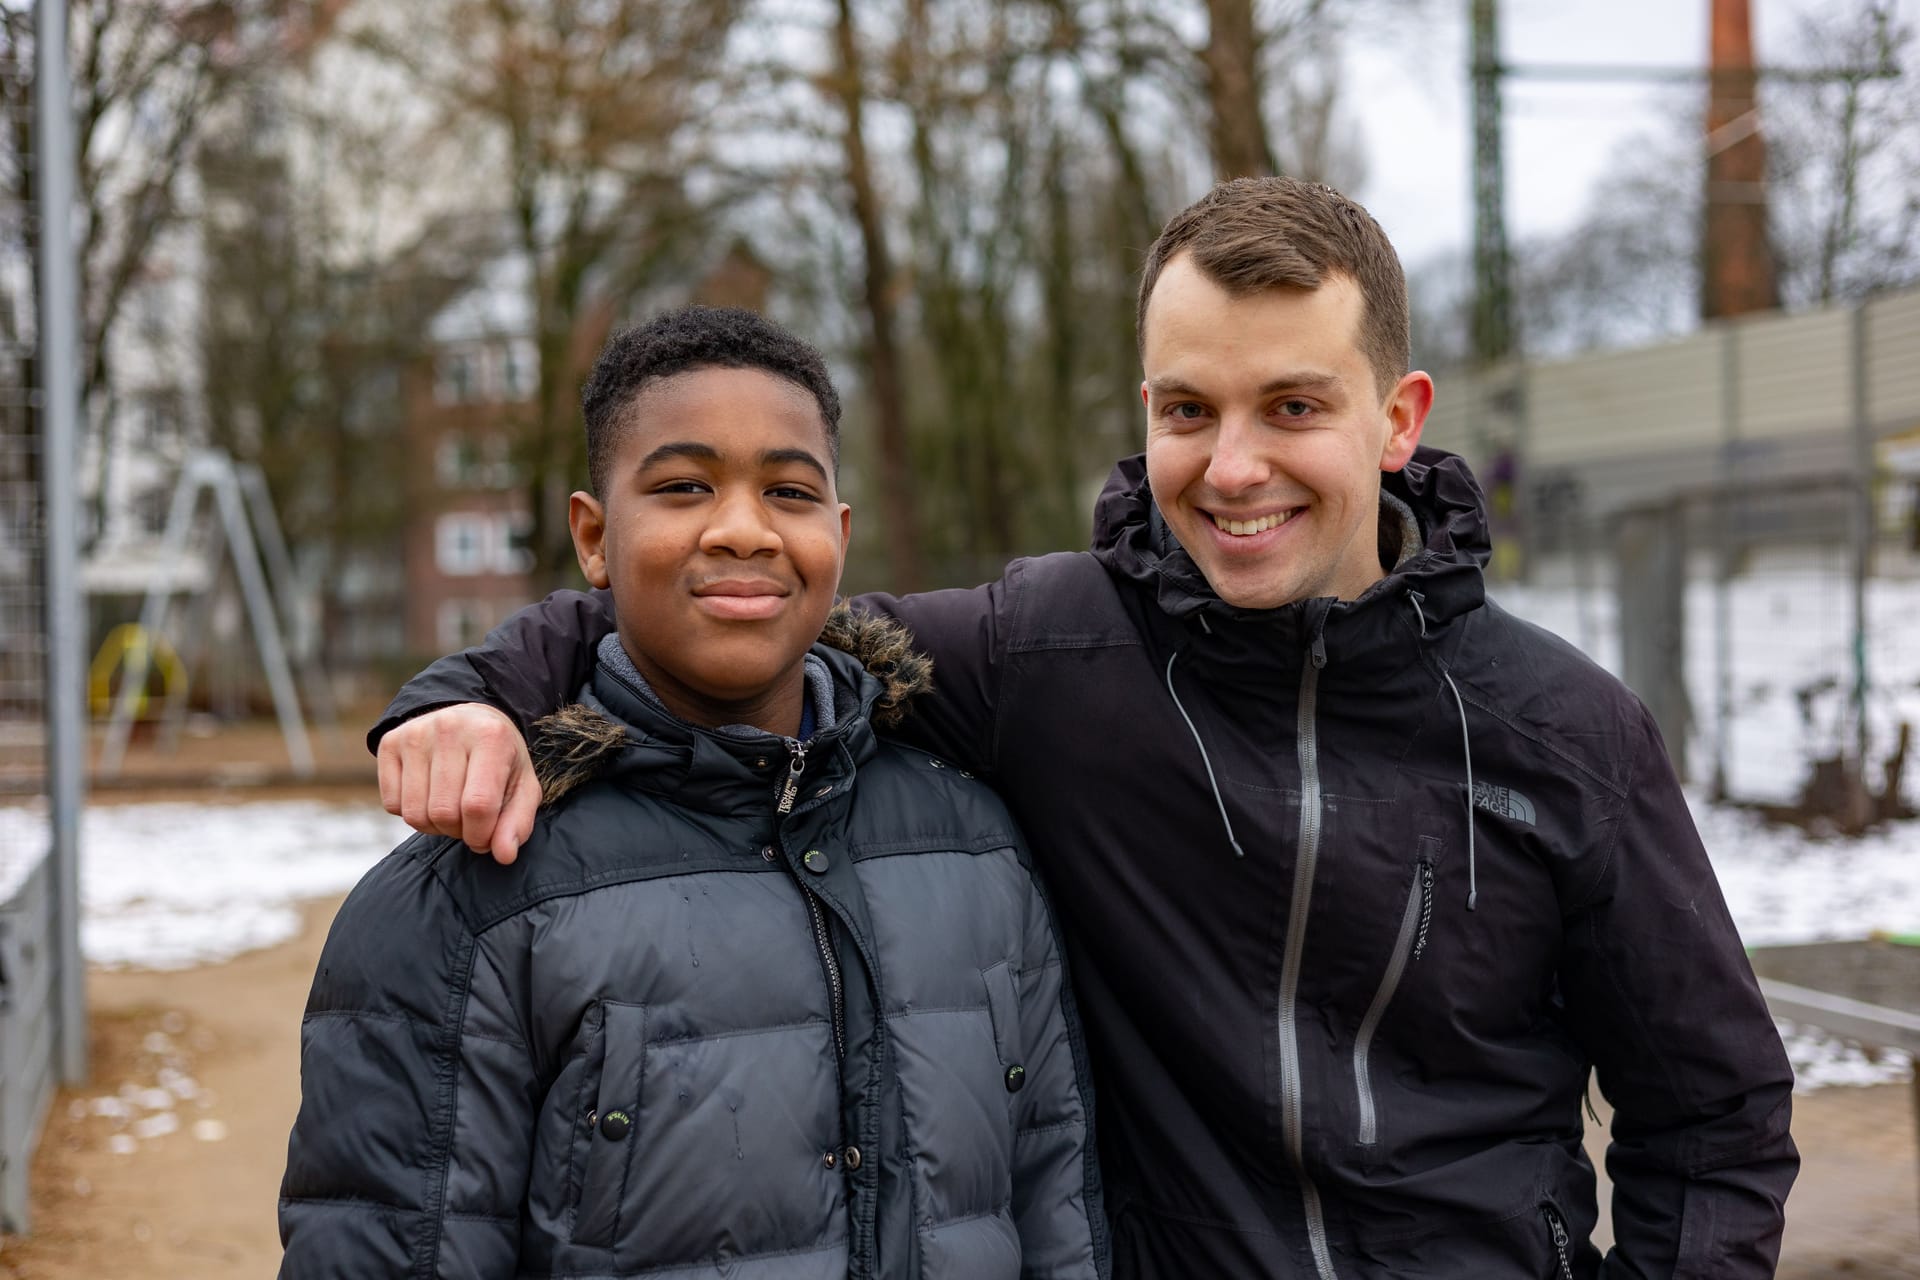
{"points": [[1466, 750], [1225, 821]]}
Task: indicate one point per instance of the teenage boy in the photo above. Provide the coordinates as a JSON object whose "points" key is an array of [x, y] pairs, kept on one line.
{"points": [[1360, 875], [766, 997]]}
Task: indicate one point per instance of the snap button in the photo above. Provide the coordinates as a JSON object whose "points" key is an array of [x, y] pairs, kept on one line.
{"points": [[829, 1159], [815, 861], [593, 1118], [852, 1157], [767, 854], [1016, 1078], [614, 1125]]}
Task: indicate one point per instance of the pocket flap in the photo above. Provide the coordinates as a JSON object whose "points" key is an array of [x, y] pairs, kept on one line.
{"points": [[614, 1136]]}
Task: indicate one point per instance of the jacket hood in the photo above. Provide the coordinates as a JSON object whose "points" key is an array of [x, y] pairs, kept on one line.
{"points": [[875, 669], [1132, 539]]}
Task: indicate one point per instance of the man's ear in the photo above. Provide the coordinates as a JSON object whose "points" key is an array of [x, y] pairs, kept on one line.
{"points": [[588, 522], [1406, 408]]}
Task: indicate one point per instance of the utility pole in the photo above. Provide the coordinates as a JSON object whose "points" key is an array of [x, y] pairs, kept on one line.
{"points": [[1493, 322]]}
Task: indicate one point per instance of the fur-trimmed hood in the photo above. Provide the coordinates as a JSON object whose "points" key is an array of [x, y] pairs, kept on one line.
{"points": [[577, 743]]}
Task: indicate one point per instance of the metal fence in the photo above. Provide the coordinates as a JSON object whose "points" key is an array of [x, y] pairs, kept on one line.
{"points": [[42, 637], [1731, 522]]}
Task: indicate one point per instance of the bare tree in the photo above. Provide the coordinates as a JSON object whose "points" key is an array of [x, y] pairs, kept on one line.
{"points": [[147, 76], [1847, 158], [592, 111]]}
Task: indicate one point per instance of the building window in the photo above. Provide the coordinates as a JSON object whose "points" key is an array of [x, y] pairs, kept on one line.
{"points": [[467, 543], [463, 623], [467, 462], [456, 377], [461, 544], [518, 370]]}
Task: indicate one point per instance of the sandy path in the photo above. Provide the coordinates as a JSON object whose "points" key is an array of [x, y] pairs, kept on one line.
{"points": [[180, 1207]]}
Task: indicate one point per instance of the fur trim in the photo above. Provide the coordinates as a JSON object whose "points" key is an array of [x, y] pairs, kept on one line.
{"points": [[569, 748], [572, 745], [885, 649]]}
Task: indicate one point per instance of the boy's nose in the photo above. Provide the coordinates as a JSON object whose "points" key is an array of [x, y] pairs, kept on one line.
{"points": [[740, 527]]}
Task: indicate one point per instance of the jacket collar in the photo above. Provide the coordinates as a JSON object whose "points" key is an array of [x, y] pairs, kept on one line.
{"points": [[1134, 542], [617, 732]]}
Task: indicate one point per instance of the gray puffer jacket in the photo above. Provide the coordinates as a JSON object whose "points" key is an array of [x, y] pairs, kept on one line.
{"points": [[690, 1035]]}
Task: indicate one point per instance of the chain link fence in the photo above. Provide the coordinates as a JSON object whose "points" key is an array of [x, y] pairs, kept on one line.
{"points": [[1731, 523], [42, 1017]]}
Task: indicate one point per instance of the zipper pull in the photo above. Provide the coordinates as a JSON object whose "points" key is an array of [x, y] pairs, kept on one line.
{"points": [[791, 787]]}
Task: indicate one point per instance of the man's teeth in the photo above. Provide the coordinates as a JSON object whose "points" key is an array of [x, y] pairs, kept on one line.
{"points": [[1242, 528]]}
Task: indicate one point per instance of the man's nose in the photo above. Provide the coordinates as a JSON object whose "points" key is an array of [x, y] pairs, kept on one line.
{"points": [[1237, 463], [740, 526]]}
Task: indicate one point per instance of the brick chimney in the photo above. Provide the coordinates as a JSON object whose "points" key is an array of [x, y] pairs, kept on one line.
{"points": [[1735, 255]]}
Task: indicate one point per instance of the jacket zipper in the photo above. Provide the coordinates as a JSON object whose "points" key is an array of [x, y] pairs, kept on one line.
{"points": [[822, 940], [1426, 907], [1289, 1036], [1560, 1239], [1411, 922]]}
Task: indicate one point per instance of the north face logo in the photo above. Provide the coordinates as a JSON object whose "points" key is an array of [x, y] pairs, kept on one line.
{"points": [[1504, 801]]}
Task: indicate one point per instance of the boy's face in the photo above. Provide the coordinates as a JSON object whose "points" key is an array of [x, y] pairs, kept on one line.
{"points": [[722, 539]]}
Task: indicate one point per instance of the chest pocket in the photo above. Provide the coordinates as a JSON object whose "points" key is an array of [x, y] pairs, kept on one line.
{"points": [[617, 1057]]}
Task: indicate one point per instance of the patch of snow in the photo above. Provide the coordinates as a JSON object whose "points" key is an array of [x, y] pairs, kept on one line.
{"points": [[170, 886], [24, 841]]}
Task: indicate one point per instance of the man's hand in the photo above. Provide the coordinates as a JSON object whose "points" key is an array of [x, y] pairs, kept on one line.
{"points": [[462, 771]]}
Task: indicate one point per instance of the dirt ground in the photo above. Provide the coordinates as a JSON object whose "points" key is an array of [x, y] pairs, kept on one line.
{"points": [[199, 1202]]}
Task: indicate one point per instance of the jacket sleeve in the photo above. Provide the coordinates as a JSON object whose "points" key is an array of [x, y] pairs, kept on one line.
{"points": [[409, 1155], [529, 665], [1057, 1201], [964, 632], [536, 661], [1661, 996]]}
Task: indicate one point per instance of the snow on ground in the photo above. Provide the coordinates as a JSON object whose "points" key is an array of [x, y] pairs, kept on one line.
{"points": [[169, 886]]}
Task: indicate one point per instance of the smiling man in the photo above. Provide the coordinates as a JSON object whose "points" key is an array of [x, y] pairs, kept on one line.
{"points": [[1361, 877]]}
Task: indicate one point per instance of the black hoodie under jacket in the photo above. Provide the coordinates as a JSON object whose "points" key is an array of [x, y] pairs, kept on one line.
{"points": [[1355, 895]]}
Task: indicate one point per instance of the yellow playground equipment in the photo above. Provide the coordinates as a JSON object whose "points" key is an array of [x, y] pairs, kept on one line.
{"points": [[155, 662]]}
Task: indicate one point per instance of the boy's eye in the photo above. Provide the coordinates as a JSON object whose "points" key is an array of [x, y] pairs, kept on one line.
{"points": [[680, 486], [792, 492]]}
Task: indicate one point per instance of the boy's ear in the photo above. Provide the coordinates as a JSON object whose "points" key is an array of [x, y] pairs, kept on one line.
{"points": [[588, 522]]}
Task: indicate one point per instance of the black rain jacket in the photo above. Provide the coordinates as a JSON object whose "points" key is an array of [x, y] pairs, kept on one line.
{"points": [[1356, 894], [736, 1011]]}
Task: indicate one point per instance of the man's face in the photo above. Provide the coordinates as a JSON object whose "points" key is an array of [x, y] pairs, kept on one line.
{"points": [[1266, 435], [721, 536]]}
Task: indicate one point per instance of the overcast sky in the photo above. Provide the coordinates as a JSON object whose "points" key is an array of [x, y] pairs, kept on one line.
{"points": [[1407, 91]]}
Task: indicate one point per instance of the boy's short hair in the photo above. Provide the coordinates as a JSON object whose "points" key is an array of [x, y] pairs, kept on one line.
{"points": [[683, 341], [1249, 234]]}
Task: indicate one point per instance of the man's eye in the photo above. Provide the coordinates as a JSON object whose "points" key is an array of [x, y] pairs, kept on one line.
{"points": [[1295, 408], [1187, 409]]}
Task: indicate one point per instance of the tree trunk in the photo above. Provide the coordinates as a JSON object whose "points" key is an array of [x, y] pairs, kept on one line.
{"points": [[1237, 128], [889, 397]]}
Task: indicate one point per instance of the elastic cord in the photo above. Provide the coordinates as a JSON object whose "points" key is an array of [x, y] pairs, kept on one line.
{"points": [[1466, 749], [1225, 821]]}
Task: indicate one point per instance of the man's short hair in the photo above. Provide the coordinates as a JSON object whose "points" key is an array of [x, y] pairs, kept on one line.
{"points": [[1249, 234], [686, 340]]}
